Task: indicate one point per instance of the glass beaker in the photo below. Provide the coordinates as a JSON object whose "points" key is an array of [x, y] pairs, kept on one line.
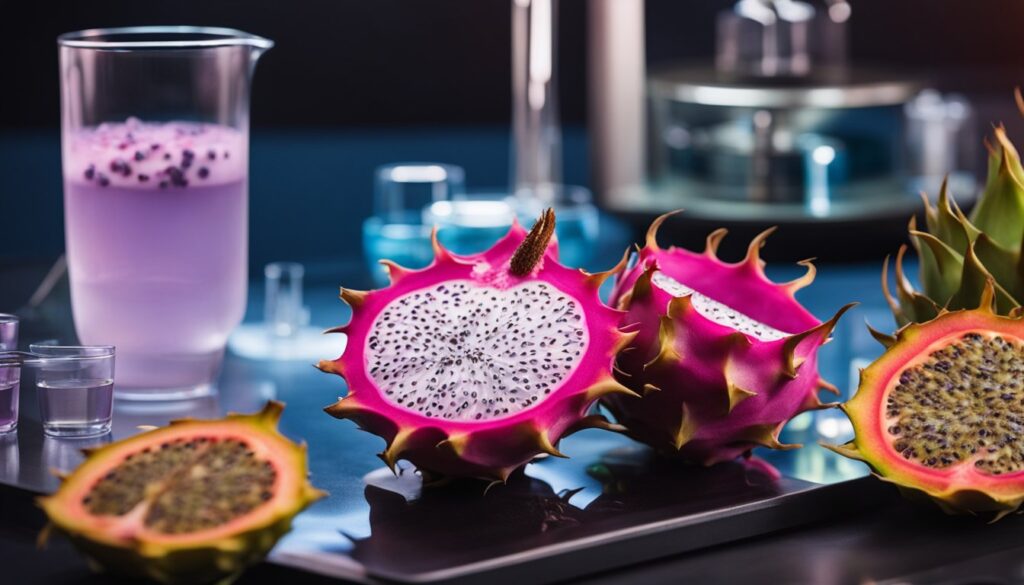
{"points": [[155, 145]]}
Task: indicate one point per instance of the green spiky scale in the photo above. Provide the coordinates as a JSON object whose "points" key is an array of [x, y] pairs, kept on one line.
{"points": [[940, 264], [1004, 265], [1000, 210], [958, 254], [973, 281], [951, 227]]}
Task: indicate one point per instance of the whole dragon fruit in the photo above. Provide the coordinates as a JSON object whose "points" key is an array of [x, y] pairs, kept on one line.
{"points": [[475, 365], [959, 254], [723, 358]]}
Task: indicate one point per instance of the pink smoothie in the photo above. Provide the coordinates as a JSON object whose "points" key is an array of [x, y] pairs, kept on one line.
{"points": [[156, 222]]}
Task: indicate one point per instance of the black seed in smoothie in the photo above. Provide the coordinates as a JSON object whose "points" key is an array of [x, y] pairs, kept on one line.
{"points": [[90, 172], [143, 177], [139, 155], [204, 172], [177, 177], [120, 166], [167, 156], [227, 154], [211, 154], [154, 146], [103, 180]]}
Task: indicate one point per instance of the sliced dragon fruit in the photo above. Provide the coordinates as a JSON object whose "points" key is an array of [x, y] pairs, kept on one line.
{"points": [[476, 364]]}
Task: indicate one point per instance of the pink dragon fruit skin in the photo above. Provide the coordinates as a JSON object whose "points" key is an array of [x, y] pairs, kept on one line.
{"points": [[486, 448], [711, 392]]}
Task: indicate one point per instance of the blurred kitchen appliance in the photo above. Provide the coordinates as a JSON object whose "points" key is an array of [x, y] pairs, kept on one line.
{"points": [[779, 129]]}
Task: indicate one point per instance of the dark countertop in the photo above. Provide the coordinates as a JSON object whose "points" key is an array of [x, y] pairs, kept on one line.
{"points": [[897, 543], [881, 539]]}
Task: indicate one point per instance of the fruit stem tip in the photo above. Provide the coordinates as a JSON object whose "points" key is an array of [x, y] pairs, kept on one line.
{"points": [[532, 249]]}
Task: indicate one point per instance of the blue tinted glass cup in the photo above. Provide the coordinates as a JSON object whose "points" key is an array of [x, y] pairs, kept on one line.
{"points": [[396, 231], [472, 223]]}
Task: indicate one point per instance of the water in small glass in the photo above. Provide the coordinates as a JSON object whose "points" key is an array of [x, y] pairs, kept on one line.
{"points": [[75, 408], [8, 402], [10, 376], [74, 388]]}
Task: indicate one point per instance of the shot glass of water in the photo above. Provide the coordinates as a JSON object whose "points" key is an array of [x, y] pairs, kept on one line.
{"points": [[10, 375], [75, 386]]}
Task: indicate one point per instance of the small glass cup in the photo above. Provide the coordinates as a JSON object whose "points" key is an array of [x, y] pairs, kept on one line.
{"points": [[396, 230], [471, 223], [282, 305], [75, 389], [10, 376]]}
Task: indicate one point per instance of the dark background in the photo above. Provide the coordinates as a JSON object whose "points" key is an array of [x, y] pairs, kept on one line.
{"points": [[355, 84], [345, 63]]}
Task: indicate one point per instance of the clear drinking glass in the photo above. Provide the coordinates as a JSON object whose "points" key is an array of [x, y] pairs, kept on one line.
{"points": [[155, 137], [402, 191], [471, 223], [10, 376], [75, 389], [282, 308]]}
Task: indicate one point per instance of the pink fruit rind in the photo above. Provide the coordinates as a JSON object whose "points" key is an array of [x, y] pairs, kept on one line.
{"points": [[710, 392], [488, 449]]}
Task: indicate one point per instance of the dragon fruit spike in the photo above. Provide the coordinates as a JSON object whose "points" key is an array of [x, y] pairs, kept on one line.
{"points": [[723, 358], [474, 365]]}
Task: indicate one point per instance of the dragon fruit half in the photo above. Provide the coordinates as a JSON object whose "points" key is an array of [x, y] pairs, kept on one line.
{"points": [[476, 364], [723, 358]]}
